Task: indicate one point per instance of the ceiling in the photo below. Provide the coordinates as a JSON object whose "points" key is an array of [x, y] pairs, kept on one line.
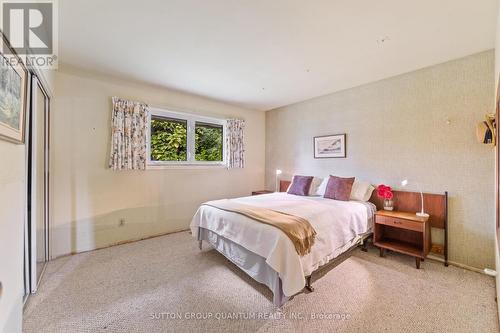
{"points": [[263, 54]]}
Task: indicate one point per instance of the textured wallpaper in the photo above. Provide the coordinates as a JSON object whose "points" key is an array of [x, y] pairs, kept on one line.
{"points": [[418, 126]]}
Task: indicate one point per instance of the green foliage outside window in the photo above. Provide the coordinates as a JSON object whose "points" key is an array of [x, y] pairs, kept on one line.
{"points": [[169, 140], [208, 142]]}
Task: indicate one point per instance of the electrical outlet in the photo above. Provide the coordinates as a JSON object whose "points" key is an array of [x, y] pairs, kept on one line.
{"points": [[122, 223], [490, 272]]}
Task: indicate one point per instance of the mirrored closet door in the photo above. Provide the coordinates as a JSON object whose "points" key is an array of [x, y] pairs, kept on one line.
{"points": [[38, 184]]}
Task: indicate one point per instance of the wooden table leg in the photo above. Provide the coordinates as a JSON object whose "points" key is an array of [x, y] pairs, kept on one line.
{"points": [[382, 252], [417, 262]]}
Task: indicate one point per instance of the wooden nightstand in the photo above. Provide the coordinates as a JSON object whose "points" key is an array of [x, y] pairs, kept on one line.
{"points": [[402, 232], [261, 192]]}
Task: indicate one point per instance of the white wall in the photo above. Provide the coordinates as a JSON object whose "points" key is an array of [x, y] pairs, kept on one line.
{"points": [[12, 212], [88, 199], [397, 128]]}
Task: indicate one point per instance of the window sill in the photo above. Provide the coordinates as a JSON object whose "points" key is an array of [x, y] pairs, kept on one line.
{"points": [[185, 166]]}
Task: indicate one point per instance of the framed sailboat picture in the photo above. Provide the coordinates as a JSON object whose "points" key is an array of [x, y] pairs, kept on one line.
{"points": [[330, 146], [13, 83]]}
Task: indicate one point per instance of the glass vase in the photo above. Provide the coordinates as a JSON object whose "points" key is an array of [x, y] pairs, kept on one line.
{"points": [[388, 204]]}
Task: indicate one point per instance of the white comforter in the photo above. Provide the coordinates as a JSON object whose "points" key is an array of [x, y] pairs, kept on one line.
{"points": [[337, 223]]}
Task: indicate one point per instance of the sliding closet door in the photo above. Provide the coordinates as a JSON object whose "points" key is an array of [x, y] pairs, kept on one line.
{"points": [[497, 163], [39, 144]]}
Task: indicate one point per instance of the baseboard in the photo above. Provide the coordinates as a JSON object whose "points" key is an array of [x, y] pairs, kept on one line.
{"points": [[456, 264], [120, 243]]}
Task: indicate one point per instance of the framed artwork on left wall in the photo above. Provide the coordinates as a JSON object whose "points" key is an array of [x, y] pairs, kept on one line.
{"points": [[13, 86], [330, 146]]}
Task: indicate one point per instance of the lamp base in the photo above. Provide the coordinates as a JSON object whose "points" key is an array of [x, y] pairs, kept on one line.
{"points": [[420, 214]]}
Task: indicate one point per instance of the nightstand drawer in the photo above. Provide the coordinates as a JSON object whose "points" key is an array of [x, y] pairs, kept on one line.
{"points": [[400, 223]]}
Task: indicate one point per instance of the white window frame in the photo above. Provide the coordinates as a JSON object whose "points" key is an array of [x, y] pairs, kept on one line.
{"points": [[191, 120]]}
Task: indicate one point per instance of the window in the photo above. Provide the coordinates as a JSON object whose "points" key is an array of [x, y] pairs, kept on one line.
{"points": [[184, 139], [168, 139], [208, 142]]}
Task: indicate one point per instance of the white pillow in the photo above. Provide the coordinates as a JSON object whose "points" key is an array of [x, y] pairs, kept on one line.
{"points": [[322, 187], [368, 194], [361, 191], [316, 183]]}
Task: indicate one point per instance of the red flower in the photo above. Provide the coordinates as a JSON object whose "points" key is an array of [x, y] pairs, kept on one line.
{"points": [[384, 192]]}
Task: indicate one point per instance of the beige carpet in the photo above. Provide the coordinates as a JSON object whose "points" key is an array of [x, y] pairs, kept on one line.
{"points": [[146, 286]]}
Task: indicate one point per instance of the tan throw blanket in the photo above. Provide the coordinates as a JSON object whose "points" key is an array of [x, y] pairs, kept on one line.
{"points": [[298, 229]]}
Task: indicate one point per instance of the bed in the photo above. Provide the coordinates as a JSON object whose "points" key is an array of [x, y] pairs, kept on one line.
{"points": [[267, 255]]}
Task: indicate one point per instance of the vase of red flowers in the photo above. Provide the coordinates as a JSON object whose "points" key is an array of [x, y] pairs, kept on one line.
{"points": [[385, 192]]}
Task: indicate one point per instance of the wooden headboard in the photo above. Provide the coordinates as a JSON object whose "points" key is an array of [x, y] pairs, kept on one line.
{"points": [[436, 205], [284, 185]]}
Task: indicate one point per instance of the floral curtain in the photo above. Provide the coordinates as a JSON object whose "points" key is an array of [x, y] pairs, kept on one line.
{"points": [[235, 145], [129, 122]]}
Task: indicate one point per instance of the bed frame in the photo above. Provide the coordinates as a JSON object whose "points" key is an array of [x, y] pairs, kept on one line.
{"points": [[278, 298], [363, 242]]}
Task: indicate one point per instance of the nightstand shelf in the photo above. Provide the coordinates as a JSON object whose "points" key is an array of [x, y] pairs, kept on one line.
{"points": [[402, 232], [401, 247]]}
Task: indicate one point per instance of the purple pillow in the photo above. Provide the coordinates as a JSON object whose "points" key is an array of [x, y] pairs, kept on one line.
{"points": [[300, 185], [339, 188]]}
